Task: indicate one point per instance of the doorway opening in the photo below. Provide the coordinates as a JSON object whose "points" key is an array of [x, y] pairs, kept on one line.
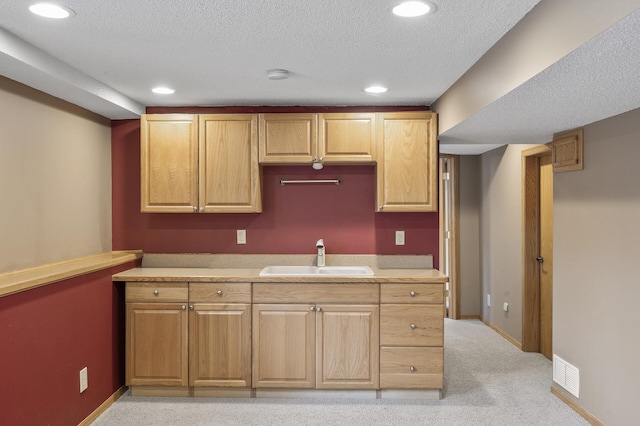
{"points": [[537, 239], [449, 214]]}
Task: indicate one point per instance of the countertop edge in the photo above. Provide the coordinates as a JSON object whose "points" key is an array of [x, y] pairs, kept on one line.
{"points": [[26, 279], [252, 276]]}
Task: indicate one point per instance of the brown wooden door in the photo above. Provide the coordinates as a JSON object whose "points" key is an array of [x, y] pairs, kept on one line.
{"points": [[220, 345], [546, 256], [347, 341]]}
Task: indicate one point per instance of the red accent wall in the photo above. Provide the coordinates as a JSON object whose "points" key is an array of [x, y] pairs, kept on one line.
{"points": [[293, 217], [48, 335]]}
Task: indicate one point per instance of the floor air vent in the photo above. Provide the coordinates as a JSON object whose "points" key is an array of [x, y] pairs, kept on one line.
{"points": [[566, 375]]}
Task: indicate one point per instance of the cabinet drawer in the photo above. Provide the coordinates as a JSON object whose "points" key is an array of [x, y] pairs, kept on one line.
{"points": [[411, 325], [220, 293], [157, 292], [396, 368], [412, 293], [316, 293]]}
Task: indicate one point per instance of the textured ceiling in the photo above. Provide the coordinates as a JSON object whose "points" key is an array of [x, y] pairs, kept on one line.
{"points": [[600, 79], [108, 57], [218, 52]]}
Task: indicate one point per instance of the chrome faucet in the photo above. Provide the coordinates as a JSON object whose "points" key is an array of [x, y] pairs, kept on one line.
{"points": [[320, 246]]}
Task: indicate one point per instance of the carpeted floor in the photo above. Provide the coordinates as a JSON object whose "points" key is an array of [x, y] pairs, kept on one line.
{"points": [[488, 381]]}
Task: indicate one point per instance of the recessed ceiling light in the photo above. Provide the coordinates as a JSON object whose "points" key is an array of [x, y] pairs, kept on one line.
{"points": [[410, 9], [376, 89], [163, 90], [50, 10]]}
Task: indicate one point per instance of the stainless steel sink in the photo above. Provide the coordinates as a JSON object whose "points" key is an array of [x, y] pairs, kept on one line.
{"points": [[305, 271]]}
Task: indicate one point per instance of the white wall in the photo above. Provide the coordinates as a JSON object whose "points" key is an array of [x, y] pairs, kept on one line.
{"points": [[55, 179], [501, 237], [596, 326], [470, 200]]}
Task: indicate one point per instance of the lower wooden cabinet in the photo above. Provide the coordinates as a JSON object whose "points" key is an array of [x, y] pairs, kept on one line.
{"points": [[220, 345], [156, 344], [315, 346], [411, 336], [190, 342], [239, 336]]}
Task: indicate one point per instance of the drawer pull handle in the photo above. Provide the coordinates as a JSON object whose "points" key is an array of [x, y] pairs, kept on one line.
{"points": [[219, 292], [412, 293], [412, 369], [156, 292], [413, 326]]}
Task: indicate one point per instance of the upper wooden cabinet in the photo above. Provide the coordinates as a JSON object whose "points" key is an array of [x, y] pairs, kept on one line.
{"points": [[169, 163], [288, 138], [206, 163], [229, 170], [347, 138], [407, 162], [305, 138]]}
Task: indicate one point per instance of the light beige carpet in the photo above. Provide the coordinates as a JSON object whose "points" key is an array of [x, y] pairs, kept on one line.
{"points": [[488, 381]]}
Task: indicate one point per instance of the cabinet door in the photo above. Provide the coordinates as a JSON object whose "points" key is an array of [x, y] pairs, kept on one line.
{"points": [[347, 138], [288, 138], [156, 344], [407, 162], [169, 163], [228, 168], [283, 346], [347, 338], [220, 345]]}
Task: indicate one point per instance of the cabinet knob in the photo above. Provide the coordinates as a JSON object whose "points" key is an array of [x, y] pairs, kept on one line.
{"points": [[318, 309], [184, 307], [313, 159], [313, 308], [219, 292], [412, 369], [380, 208], [412, 293], [321, 159], [201, 209], [413, 326], [195, 209], [156, 292]]}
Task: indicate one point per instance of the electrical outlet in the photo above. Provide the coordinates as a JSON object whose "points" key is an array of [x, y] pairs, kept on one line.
{"points": [[488, 300], [399, 238], [241, 236], [84, 379], [505, 307]]}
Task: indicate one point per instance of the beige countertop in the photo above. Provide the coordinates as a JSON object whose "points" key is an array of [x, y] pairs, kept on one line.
{"points": [[174, 274], [246, 268]]}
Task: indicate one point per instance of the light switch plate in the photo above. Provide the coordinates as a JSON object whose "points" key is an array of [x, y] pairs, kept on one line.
{"points": [[399, 238], [241, 236]]}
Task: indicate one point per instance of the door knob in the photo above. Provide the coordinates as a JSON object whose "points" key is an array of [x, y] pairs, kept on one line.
{"points": [[540, 259]]}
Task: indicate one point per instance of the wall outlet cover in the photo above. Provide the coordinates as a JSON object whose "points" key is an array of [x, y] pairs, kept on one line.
{"points": [[399, 238], [241, 236], [84, 379]]}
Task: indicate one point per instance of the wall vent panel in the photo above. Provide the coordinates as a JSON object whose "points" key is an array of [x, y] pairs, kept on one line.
{"points": [[566, 375]]}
